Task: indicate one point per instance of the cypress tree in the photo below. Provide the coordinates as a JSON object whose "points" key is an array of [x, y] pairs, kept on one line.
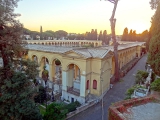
{"points": [[130, 36], [154, 51], [125, 35], [104, 37], [41, 33], [100, 35], [95, 34]]}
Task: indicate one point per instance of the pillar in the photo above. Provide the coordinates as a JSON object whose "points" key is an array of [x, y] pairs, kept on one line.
{"points": [[51, 72], [64, 80], [83, 86]]}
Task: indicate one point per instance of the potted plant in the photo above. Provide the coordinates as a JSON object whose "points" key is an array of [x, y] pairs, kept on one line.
{"points": [[57, 62]]}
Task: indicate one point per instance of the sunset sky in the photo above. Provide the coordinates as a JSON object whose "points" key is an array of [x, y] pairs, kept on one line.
{"points": [[79, 16]]}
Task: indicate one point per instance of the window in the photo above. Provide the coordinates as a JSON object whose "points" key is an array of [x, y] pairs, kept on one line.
{"points": [[87, 86], [94, 84]]}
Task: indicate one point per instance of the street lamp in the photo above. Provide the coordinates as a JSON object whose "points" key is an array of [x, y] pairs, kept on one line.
{"points": [[102, 98], [101, 79], [113, 22]]}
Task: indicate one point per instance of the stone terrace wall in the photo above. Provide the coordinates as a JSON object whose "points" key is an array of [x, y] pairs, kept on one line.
{"points": [[116, 110]]}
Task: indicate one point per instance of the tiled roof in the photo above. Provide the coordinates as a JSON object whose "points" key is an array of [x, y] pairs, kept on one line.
{"points": [[97, 52]]}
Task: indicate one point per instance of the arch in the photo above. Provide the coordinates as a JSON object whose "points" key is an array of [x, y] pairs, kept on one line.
{"points": [[66, 67], [94, 84], [34, 58]]}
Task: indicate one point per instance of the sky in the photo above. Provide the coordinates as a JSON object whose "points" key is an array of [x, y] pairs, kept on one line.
{"points": [[80, 16]]}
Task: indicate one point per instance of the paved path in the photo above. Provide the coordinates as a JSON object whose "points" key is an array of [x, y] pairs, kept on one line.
{"points": [[115, 94]]}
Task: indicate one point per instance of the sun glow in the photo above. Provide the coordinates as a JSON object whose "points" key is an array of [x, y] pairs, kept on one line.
{"points": [[138, 26]]}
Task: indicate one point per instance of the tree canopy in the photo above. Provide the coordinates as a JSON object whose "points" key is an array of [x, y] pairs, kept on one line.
{"points": [[154, 3], [125, 35], [154, 51]]}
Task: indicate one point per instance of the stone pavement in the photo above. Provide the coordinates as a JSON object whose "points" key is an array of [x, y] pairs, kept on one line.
{"points": [[115, 94]]}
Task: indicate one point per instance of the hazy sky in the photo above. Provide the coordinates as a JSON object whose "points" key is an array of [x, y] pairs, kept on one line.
{"points": [[79, 16]]}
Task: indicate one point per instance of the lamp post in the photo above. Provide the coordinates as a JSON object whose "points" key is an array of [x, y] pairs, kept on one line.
{"points": [[113, 22], [102, 99]]}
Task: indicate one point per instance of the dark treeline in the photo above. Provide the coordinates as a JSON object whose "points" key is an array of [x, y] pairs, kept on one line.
{"points": [[132, 36], [61, 34]]}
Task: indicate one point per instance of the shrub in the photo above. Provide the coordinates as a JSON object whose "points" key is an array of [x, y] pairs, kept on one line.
{"points": [[72, 106], [156, 85], [141, 76]]}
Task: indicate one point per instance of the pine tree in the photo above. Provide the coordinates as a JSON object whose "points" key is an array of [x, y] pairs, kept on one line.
{"points": [[15, 87], [154, 51], [16, 100], [125, 35], [10, 32]]}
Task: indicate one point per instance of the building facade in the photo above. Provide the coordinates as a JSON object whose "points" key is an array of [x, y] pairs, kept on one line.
{"points": [[82, 72]]}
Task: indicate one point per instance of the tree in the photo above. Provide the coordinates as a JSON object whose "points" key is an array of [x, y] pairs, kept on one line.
{"points": [[55, 111], [60, 33], [16, 100], [154, 3], [95, 34], [41, 33], [92, 34], [134, 36], [130, 36], [125, 35], [100, 35], [154, 51], [115, 43], [104, 37], [10, 31]]}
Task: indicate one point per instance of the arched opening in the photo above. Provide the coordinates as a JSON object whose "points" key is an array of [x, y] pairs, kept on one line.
{"points": [[44, 64], [35, 58], [57, 71], [56, 75], [74, 77], [94, 84], [96, 44]]}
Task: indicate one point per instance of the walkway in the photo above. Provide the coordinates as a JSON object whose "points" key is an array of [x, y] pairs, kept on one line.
{"points": [[115, 94]]}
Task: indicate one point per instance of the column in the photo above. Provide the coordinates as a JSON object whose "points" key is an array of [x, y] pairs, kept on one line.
{"points": [[83, 86], [64, 80], [51, 72]]}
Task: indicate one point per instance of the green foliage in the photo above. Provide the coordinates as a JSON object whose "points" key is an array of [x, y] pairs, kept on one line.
{"points": [[30, 68], [154, 51], [55, 111], [153, 76], [42, 110], [41, 95], [10, 31], [141, 76], [72, 106], [16, 100], [129, 92], [156, 85]]}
